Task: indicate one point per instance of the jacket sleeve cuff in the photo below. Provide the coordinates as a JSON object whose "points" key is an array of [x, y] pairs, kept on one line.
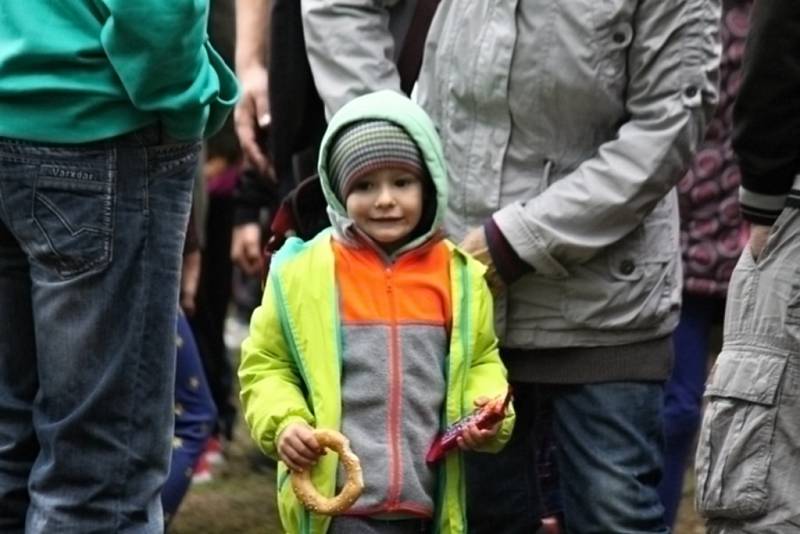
{"points": [[529, 246], [759, 208], [246, 214], [506, 261]]}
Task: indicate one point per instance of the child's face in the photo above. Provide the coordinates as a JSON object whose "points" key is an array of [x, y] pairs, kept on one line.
{"points": [[386, 204]]}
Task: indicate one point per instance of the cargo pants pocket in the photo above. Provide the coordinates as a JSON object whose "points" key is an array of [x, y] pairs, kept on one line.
{"points": [[735, 446]]}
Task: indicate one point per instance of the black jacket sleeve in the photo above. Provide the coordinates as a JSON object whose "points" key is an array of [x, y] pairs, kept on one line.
{"points": [[766, 134], [251, 195]]}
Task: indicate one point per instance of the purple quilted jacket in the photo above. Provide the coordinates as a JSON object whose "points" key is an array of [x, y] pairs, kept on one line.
{"points": [[712, 231]]}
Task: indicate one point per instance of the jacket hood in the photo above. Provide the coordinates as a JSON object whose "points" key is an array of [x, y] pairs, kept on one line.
{"points": [[396, 108]]}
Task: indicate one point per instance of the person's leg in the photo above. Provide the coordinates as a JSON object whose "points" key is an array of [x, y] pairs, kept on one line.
{"points": [[18, 444], [195, 416], [683, 395], [213, 297], [610, 441], [748, 452], [547, 468], [502, 489], [103, 227]]}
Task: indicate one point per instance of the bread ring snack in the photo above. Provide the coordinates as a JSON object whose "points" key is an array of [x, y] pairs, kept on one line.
{"points": [[353, 486]]}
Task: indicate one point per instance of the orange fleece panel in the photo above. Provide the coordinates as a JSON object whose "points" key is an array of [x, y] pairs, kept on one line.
{"points": [[415, 289]]}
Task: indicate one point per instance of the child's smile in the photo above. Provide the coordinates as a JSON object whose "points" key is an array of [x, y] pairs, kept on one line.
{"points": [[386, 204]]}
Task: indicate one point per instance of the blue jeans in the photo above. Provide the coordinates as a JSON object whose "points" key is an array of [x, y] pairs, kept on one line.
{"points": [[90, 254], [609, 439]]}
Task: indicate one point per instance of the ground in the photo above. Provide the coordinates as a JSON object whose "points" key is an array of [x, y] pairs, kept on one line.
{"points": [[241, 498]]}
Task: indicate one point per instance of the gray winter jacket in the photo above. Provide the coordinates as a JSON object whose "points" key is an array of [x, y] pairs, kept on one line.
{"points": [[569, 123], [353, 46]]}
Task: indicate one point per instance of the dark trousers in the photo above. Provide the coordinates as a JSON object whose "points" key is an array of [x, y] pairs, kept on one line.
{"points": [[683, 394], [213, 297], [195, 416], [367, 525]]}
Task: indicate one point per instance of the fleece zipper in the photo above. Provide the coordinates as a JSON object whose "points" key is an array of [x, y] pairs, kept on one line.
{"points": [[395, 394]]}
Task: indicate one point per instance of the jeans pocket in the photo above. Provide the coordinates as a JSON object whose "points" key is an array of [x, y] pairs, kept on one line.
{"points": [[735, 447], [73, 210], [173, 158]]}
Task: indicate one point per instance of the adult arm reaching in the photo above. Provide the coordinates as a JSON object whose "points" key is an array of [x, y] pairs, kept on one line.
{"points": [[252, 113]]}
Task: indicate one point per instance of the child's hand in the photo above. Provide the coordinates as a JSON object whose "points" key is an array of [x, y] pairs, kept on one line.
{"points": [[474, 438], [298, 448]]}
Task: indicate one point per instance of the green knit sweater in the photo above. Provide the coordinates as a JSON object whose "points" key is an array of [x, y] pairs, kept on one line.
{"points": [[83, 70]]}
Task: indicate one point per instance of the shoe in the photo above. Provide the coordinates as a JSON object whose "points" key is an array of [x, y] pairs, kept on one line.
{"points": [[236, 330], [202, 471], [550, 525], [213, 453]]}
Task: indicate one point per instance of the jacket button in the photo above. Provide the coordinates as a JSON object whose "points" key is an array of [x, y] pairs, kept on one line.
{"points": [[690, 91], [618, 37], [627, 267]]}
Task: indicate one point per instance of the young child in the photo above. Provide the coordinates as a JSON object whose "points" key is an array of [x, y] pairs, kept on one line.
{"points": [[378, 328]]}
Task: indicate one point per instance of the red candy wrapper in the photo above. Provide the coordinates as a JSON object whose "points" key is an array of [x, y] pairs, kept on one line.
{"points": [[483, 417]]}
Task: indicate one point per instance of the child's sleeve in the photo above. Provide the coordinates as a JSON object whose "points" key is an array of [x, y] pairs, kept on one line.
{"points": [[487, 376], [272, 390]]}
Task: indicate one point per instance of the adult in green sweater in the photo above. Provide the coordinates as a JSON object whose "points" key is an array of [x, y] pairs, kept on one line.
{"points": [[102, 105]]}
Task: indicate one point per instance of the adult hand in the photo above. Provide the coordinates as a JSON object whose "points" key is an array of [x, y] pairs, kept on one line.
{"points": [[252, 115], [758, 239], [246, 248], [190, 278], [475, 244], [298, 448]]}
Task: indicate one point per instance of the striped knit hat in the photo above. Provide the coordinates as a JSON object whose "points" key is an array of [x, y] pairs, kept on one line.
{"points": [[369, 145]]}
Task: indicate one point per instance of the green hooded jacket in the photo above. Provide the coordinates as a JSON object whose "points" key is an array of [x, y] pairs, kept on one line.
{"points": [[291, 362]]}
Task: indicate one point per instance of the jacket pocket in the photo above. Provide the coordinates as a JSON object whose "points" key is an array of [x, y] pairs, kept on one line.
{"points": [[735, 447], [628, 286], [622, 292], [613, 33]]}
